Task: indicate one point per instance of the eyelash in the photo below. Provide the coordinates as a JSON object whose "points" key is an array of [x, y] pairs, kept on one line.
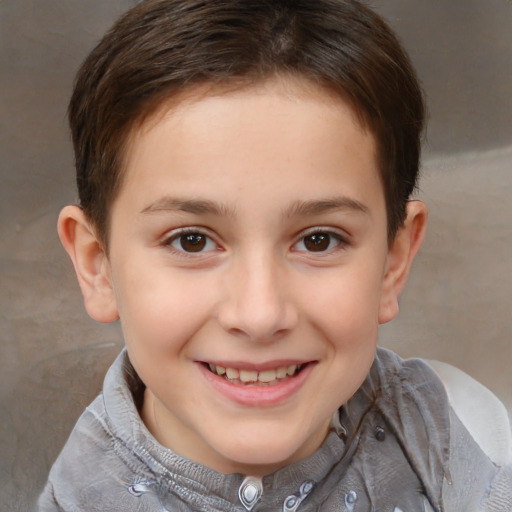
{"points": [[324, 234], [342, 241], [178, 237]]}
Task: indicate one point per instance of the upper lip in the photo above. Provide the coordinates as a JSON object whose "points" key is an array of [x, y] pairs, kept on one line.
{"points": [[262, 366]]}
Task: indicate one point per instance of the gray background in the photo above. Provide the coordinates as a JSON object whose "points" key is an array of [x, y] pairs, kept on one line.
{"points": [[457, 306]]}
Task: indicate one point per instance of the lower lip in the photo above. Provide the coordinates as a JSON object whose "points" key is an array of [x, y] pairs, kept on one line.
{"points": [[254, 395]]}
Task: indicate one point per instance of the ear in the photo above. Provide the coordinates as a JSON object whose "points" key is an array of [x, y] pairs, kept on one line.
{"points": [[401, 254], [91, 263]]}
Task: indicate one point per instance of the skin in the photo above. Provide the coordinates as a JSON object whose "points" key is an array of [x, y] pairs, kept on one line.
{"points": [[253, 175]]}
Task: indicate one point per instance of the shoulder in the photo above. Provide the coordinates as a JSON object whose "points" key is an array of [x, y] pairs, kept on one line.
{"points": [[95, 471], [95, 466], [82, 456], [469, 434], [479, 410], [88, 443]]}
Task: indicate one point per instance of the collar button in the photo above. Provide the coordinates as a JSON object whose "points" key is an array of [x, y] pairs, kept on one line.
{"points": [[250, 492]]}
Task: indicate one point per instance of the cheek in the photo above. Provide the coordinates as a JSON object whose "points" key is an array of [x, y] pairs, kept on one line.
{"points": [[161, 311], [346, 302]]}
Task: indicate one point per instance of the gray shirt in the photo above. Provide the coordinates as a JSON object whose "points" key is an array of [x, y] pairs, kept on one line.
{"points": [[396, 446]]}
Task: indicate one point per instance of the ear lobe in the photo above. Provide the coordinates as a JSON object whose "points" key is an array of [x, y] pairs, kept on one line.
{"points": [[401, 254], [91, 263]]}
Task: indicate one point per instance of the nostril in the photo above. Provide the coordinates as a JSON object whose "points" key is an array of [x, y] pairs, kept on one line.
{"points": [[235, 331]]}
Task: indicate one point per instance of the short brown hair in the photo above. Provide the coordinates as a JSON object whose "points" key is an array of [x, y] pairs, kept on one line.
{"points": [[161, 47]]}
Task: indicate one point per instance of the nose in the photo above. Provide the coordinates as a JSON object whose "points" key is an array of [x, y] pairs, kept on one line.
{"points": [[256, 304]]}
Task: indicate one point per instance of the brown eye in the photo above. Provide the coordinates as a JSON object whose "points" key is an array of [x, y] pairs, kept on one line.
{"points": [[192, 242], [320, 241], [317, 242]]}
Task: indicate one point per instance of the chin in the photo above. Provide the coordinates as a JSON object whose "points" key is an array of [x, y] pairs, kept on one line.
{"points": [[254, 464], [259, 456]]}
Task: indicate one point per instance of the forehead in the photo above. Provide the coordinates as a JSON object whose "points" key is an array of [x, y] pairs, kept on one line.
{"points": [[276, 131]]}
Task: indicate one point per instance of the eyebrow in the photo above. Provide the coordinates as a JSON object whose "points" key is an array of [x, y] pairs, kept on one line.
{"points": [[298, 208], [317, 207], [197, 206]]}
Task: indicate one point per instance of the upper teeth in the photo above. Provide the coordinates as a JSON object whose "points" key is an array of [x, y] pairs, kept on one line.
{"points": [[254, 375]]}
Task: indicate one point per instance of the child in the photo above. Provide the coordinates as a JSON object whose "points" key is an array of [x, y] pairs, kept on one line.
{"points": [[245, 171]]}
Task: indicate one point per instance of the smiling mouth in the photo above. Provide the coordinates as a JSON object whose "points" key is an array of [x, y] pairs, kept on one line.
{"points": [[269, 377]]}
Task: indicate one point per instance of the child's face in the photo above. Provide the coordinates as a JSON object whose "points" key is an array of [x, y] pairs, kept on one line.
{"points": [[250, 235]]}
